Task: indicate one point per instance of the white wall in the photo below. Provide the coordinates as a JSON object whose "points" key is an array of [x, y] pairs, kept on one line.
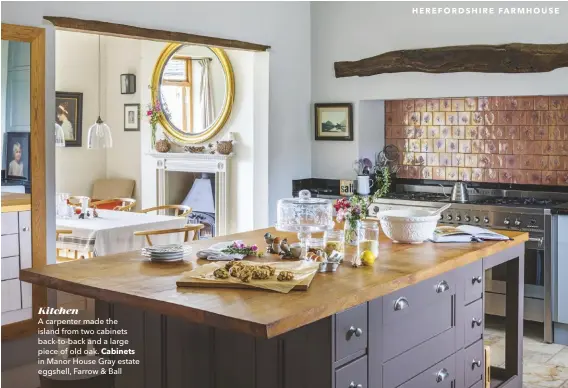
{"points": [[76, 65], [260, 22], [123, 159], [371, 28]]}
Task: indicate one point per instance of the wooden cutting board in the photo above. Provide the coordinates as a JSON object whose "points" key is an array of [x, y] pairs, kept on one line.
{"points": [[205, 283]]}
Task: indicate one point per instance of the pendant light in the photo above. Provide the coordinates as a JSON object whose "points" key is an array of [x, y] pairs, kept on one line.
{"points": [[99, 133], [59, 136]]}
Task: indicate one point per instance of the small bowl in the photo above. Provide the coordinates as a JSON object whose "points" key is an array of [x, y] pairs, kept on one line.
{"points": [[296, 249], [409, 226], [328, 266]]}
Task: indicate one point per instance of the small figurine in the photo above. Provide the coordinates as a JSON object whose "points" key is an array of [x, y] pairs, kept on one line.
{"points": [[284, 245], [276, 245], [269, 240], [356, 261]]}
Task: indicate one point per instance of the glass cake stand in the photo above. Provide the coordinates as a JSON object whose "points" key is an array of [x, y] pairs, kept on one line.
{"points": [[304, 215]]}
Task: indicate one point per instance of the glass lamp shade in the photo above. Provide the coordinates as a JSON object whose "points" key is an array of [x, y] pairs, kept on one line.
{"points": [[59, 136], [99, 135]]}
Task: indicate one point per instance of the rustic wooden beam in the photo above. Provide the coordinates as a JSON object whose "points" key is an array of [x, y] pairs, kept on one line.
{"points": [[506, 58], [125, 31]]}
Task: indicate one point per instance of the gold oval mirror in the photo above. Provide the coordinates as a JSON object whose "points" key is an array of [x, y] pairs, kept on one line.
{"points": [[196, 88]]}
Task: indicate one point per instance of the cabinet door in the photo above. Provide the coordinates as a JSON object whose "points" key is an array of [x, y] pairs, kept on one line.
{"points": [[10, 245], [25, 221], [9, 223], [11, 297]]}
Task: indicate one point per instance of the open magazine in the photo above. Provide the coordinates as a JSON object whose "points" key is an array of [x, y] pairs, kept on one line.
{"points": [[465, 233]]}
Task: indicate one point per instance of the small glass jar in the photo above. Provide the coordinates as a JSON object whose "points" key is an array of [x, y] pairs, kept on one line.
{"points": [[367, 237], [316, 244], [334, 241]]}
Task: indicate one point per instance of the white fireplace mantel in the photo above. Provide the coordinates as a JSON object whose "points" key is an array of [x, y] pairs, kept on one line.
{"points": [[188, 162]]}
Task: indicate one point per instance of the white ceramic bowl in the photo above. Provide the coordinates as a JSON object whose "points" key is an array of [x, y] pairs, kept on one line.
{"points": [[410, 226]]}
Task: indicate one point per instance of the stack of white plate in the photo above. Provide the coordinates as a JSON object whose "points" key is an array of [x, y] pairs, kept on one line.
{"points": [[167, 253]]}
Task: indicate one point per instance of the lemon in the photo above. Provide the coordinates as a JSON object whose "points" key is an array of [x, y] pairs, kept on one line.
{"points": [[367, 257]]}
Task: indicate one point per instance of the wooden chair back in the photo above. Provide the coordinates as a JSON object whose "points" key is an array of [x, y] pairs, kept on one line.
{"points": [[59, 257], [75, 200], [179, 210], [185, 230], [126, 204]]}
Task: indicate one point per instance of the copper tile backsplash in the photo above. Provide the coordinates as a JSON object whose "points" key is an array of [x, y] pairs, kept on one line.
{"points": [[520, 140]]}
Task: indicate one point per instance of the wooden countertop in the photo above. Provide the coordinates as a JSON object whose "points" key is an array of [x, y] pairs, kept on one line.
{"points": [[16, 202], [130, 279]]}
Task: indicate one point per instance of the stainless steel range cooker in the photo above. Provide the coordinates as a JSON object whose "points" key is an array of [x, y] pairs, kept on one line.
{"points": [[499, 209]]}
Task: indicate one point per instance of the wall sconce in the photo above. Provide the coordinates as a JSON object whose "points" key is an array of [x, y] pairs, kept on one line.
{"points": [[127, 84]]}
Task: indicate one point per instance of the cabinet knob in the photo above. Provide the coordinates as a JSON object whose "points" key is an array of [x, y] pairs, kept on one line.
{"points": [[355, 331], [476, 279], [401, 303], [475, 364], [353, 385], [26, 229], [476, 321], [442, 287], [442, 375]]}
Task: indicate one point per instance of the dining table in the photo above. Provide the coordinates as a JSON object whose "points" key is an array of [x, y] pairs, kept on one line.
{"points": [[113, 231]]}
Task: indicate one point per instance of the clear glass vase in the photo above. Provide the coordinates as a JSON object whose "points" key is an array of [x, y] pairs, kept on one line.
{"points": [[350, 233]]}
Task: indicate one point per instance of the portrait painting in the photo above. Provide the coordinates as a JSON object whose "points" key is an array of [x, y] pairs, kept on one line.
{"points": [[69, 115], [18, 155], [131, 117], [334, 121]]}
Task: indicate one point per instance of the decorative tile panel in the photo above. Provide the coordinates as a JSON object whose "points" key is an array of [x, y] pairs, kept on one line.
{"points": [[514, 139]]}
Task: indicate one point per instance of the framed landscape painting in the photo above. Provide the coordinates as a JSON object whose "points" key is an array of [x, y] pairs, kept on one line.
{"points": [[334, 121]]}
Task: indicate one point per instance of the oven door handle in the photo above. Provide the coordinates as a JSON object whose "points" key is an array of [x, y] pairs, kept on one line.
{"points": [[539, 240]]}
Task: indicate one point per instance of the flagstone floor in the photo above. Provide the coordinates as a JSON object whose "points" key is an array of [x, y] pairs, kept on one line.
{"points": [[544, 365]]}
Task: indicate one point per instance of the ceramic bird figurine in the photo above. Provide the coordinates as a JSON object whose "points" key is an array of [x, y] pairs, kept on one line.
{"points": [[284, 245], [268, 239], [276, 245]]}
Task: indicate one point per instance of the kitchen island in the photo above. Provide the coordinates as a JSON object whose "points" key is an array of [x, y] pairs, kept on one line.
{"points": [[414, 319]]}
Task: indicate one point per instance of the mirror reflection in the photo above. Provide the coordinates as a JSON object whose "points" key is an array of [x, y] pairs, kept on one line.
{"points": [[15, 116], [192, 89]]}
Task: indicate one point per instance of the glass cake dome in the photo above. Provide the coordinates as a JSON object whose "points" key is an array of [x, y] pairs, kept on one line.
{"points": [[304, 215]]}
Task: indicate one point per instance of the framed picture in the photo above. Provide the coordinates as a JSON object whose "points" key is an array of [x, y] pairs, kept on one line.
{"points": [[334, 121], [131, 117], [18, 155], [69, 114]]}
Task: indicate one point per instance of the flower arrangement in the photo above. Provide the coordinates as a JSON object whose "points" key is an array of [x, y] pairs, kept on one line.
{"points": [[238, 247], [153, 111]]}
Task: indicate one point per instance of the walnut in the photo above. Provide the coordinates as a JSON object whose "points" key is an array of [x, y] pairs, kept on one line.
{"points": [[245, 274], [270, 269], [230, 264], [221, 273], [285, 275], [260, 273], [236, 268]]}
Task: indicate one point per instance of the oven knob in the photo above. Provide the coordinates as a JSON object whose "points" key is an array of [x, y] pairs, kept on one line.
{"points": [[517, 222], [441, 216], [486, 220], [458, 218], [532, 221], [506, 221], [449, 217], [467, 218], [476, 219], [376, 209]]}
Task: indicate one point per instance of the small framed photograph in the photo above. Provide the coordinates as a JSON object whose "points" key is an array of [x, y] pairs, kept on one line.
{"points": [[69, 115], [18, 155], [334, 121], [132, 117]]}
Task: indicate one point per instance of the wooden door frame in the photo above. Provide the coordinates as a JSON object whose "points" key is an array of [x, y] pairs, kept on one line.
{"points": [[36, 37]]}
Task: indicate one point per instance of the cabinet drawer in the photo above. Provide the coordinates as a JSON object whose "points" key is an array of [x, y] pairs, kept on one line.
{"points": [[474, 363], [421, 324], [398, 305], [10, 267], [352, 375], [415, 361], [10, 245], [25, 222], [472, 276], [441, 375], [473, 321], [9, 223], [350, 331], [11, 297]]}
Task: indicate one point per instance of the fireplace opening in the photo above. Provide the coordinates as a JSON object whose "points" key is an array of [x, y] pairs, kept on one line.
{"points": [[196, 190]]}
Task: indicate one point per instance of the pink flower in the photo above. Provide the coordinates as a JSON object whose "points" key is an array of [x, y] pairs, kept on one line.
{"points": [[340, 215], [149, 113], [241, 245], [254, 248]]}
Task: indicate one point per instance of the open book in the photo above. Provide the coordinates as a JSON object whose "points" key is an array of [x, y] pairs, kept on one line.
{"points": [[465, 233]]}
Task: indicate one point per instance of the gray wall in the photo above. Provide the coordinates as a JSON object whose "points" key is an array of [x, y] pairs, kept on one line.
{"points": [[283, 25], [370, 28]]}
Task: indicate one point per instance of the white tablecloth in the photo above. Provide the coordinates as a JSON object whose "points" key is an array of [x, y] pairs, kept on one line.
{"points": [[113, 232]]}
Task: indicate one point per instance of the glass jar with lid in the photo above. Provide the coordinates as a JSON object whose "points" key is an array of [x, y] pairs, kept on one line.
{"points": [[367, 238], [304, 215]]}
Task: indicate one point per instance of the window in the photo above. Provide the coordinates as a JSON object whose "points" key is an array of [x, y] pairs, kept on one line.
{"points": [[176, 90]]}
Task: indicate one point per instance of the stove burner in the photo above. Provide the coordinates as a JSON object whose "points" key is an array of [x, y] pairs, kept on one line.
{"points": [[417, 196]]}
